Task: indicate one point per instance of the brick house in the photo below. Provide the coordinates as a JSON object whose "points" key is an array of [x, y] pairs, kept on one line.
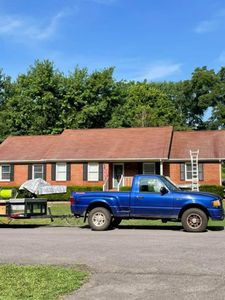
{"points": [[101, 156]]}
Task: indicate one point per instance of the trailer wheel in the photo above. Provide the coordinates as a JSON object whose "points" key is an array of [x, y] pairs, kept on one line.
{"points": [[115, 222], [194, 220], [99, 219]]}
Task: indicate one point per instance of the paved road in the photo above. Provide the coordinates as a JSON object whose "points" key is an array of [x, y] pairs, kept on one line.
{"points": [[127, 263]]}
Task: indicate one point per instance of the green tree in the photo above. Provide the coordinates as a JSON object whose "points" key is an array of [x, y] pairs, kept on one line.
{"points": [[34, 107], [145, 106]]}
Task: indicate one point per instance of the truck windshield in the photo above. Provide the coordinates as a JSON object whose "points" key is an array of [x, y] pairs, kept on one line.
{"points": [[169, 184]]}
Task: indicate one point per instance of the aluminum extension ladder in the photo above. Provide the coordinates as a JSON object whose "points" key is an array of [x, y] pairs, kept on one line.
{"points": [[194, 169]]}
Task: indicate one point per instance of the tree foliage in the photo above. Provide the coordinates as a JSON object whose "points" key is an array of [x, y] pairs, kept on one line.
{"points": [[45, 101]]}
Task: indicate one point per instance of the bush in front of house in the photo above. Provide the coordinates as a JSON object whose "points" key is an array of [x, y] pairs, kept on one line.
{"points": [[59, 197], [125, 189], [215, 189]]}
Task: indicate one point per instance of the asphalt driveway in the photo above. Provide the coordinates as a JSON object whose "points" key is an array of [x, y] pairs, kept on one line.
{"points": [[134, 263]]}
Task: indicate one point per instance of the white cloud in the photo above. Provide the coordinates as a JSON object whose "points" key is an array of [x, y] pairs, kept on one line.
{"points": [[214, 23], [207, 26], [160, 70], [27, 29]]}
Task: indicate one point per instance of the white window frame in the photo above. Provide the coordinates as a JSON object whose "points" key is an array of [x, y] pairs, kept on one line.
{"points": [[7, 172], [185, 171], [89, 171], [42, 166], [146, 173], [57, 171]]}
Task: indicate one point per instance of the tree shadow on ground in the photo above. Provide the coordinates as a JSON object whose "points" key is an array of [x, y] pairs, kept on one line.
{"points": [[156, 227]]}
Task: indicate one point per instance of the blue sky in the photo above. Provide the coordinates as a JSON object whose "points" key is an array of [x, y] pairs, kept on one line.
{"points": [[153, 39]]}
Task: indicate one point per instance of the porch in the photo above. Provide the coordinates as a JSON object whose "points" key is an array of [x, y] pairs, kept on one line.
{"points": [[120, 174]]}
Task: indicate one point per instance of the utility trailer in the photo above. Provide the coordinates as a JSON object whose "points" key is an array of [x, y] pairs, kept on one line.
{"points": [[30, 207]]}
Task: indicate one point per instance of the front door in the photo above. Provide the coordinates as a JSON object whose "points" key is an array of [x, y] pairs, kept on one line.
{"points": [[117, 173], [149, 202]]}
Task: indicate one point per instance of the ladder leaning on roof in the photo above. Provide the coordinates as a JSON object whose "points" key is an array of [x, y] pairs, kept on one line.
{"points": [[194, 170]]}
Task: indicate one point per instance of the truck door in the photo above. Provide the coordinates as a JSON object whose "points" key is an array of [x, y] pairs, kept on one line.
{"points": [[147, 201]]}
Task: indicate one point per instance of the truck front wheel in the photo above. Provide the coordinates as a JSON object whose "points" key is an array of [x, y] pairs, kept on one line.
{"points": [[194, 220], [99, 219], [115, 221]]}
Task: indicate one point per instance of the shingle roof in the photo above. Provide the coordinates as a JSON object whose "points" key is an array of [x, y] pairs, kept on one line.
{"points": [[121, 144], [26, 148], [112, 144], [210, 143], [90, 144]]}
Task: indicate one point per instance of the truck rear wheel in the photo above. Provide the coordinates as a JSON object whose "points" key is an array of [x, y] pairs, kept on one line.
{"points": [[99, 219], [194, 220]]}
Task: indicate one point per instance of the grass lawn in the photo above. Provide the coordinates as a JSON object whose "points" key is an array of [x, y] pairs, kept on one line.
{"points": [[64, 208], [38, 282]]}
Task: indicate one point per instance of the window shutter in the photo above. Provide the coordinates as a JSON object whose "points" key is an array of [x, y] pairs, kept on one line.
{"points": [[29, 171], [182, 171], [12, 172], [85, 171], [100, 172], [200, 172], [44, 171], [157, 168], [53, 171], [140, 168], [68, 171]]}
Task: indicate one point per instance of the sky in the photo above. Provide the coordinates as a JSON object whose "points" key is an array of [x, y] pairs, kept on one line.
{"points": [[155, 40]]}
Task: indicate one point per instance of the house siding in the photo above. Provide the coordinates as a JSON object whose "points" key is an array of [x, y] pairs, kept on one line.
{"points": [[21, 175], [211, 173]]}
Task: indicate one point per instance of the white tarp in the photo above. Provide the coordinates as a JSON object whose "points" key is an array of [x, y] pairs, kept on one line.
{"points": [[41, 187]]}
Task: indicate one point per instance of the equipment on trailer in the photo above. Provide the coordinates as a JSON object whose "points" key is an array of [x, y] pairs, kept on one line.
{"points": [[30, 206]]}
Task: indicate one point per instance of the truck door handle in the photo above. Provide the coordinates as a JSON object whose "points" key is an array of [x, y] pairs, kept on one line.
{"points": [[140, 197]]}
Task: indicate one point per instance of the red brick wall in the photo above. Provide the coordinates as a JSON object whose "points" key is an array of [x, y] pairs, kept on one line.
{"points": [[21, 175], [211, 173]]}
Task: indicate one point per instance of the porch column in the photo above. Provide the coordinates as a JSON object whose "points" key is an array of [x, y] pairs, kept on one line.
{"points": [[161, 167]]}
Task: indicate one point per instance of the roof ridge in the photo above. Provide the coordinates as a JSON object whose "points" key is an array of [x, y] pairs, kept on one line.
{"points": [[120, 128]]}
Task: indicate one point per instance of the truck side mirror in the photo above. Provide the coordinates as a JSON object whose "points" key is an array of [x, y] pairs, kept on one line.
{"points": [[163, 190]]}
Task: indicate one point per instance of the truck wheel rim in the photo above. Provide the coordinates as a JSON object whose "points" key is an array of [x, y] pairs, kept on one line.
{"points": [[194, 221], [98, 219]]}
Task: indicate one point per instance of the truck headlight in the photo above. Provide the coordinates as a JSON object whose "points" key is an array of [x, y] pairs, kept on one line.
{"points": [[216, 203]]}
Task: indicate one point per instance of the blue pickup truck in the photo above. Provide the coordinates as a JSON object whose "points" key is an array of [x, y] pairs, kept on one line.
{"points": [[151, 197]]}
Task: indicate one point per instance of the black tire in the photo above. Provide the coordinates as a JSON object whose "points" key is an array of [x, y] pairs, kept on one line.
{"points": [[99, 219], [194, 220], [115, 222]]}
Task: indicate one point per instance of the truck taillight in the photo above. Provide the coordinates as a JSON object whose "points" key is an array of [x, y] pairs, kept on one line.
{"points": [[72, 200]]}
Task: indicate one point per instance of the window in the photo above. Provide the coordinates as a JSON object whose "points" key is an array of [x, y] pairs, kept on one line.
{"points": [[61, 172], [93, 171], [38, 171], [150, 185], [5, 172], [149, 168], [186, 171]]}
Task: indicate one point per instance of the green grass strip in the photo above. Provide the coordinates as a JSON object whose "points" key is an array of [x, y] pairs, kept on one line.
{"points": [[38, 282]]}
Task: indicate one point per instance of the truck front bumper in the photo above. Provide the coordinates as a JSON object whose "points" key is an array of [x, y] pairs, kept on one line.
{"points": [[216, 213]]}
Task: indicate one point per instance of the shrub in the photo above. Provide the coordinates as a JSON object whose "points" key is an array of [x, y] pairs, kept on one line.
{"points": [[125, 188], [59, 197], [215, 189]]}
